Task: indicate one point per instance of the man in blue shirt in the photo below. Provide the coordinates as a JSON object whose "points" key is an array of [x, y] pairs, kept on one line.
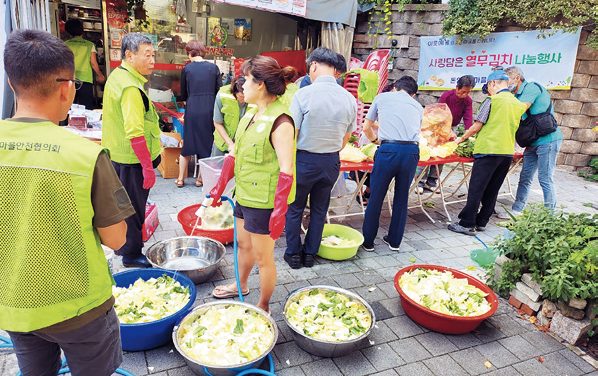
{"points": [[324, 115], [400, 118], [541, 154]]}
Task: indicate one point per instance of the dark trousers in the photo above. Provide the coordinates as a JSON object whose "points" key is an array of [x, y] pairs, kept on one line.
{"points": [[84, 96], [315, 176], [487, 175], [432, 176], [391, 161], [131, 177], [92, 350]]}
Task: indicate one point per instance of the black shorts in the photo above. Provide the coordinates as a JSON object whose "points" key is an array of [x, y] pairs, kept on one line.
{"points": [[257, 221]]}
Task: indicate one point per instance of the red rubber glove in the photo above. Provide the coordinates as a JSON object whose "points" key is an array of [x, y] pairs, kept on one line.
{"points": [[278, 216], [227, 173], [145, 158]]}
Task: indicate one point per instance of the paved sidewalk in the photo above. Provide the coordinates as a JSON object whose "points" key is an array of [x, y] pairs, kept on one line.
{"points": [[397, 346]]}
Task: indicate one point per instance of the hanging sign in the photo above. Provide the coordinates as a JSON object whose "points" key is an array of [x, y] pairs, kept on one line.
{"points": [[547, 60], [296, 7], [116, 13]]}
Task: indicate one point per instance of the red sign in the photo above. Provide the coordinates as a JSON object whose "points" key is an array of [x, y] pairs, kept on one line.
{"points": [[116, 13], [217, 51]]}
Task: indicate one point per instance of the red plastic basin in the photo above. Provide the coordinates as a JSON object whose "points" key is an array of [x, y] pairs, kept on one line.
{"points": [[439, 322], [187, 218]]}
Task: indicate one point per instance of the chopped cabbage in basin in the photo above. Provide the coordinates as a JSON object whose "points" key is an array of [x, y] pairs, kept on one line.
{"points": [[337, 241], [442, 292], [226, 335], [328, 316], [150, 300]]}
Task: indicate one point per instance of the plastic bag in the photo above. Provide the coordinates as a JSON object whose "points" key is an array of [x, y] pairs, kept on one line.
{"points": [[485, 257], [351, 154], [437, 124]]}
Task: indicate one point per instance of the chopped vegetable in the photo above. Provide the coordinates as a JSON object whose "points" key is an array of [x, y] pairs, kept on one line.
{"points": [[226, 335], [337, 241], [352, 154], [328, 316], [369, 150], [217, 218], [442, 292], [150, 300]]}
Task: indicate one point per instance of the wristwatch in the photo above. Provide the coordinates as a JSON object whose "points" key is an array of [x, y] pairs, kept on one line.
{"points": [[374, 141]]}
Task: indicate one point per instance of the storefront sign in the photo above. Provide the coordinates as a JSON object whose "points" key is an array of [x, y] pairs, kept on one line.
{"points": [[217, 51], [115, 54], [116, 37], [116, 13], [296, 7], [548, 61]]}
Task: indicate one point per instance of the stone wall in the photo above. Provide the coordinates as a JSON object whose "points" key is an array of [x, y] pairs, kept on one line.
{"points": [[576, 110]]}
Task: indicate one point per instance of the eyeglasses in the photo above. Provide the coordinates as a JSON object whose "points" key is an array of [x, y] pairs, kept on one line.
{"points": [[78, 83]]}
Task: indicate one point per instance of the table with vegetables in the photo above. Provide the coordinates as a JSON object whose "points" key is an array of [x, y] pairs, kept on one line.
{"points": [[436, 148]]}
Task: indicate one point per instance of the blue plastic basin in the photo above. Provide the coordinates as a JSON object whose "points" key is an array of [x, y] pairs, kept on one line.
{"points": [[177, 125], [149, 335]]}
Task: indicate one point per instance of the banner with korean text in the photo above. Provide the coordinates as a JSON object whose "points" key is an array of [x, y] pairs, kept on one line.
{"points": [[548, 61]]}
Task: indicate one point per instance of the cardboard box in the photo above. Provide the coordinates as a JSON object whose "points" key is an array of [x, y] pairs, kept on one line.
{"points": [[151, 221], [169, 168]]}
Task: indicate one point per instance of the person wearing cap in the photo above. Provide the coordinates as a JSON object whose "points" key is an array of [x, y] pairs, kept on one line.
{"points": [[495, 125], [541, 154], [400, 119]]}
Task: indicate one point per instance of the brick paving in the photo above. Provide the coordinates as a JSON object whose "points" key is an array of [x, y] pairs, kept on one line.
{"points": [[397, 345]]}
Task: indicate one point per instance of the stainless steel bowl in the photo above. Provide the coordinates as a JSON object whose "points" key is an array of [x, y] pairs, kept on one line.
{"points": [[209, 369], [194, 256], [327, 348]]}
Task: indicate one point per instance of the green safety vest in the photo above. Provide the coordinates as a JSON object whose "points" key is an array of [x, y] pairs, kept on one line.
{"points": [[256, 167], [497, 136], [231, 112], [113, 132], [288, 95], [52, 267], [82, 50]]}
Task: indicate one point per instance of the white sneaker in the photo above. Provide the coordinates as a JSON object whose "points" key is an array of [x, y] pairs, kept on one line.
{"points": [[505, 215], [419, 189]]}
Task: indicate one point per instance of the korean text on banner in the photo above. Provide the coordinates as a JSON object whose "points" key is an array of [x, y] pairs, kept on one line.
{"points": [[548, 59]]}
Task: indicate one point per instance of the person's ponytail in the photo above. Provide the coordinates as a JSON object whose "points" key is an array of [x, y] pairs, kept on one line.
{"points": [[288, 74]]}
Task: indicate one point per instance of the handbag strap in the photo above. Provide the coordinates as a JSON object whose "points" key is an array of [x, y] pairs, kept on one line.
{"points": [[542, 88]]}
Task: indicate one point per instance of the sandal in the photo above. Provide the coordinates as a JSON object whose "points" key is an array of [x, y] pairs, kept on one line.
{"points": [[199, 183], [223, 292], [180, 183]]}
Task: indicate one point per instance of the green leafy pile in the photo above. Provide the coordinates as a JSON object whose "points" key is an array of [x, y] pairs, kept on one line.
{"points": [[465, 149], [559, 249], [592, 173]]}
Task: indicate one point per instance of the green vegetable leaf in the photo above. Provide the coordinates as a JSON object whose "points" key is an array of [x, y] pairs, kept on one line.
{"points": [[412, 259], [239, 328], [200, 330], [314, 292]]}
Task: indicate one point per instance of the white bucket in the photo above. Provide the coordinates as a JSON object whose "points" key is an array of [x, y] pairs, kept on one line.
{"points": [[109, 253]]}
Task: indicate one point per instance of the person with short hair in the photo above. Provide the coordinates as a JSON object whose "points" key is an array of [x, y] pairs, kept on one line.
{"points": [[495, 125], [340, 67], [61, 200], [85, 62], [262, 164], [400, 119], [541, 154], [200, 81], [324, 115], [131, 132], [460, 104], [229, 108]]}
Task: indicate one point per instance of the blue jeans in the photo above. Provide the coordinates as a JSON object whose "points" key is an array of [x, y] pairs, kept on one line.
{"points": [[391, 161], [541, 158]]}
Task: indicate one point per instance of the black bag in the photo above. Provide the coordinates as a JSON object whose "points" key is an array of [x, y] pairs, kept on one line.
{"points": [[535, 126]]}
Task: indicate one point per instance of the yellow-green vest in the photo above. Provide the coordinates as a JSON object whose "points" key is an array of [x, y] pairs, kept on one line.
{"points": [[52, 267], [288, 95], [256, 167], [82, 50], [113, 131], [231, 113], [497, 136]]}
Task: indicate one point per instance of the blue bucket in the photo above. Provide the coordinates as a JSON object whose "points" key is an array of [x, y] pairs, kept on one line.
{"points": [[149, 335], [177, 125]]}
